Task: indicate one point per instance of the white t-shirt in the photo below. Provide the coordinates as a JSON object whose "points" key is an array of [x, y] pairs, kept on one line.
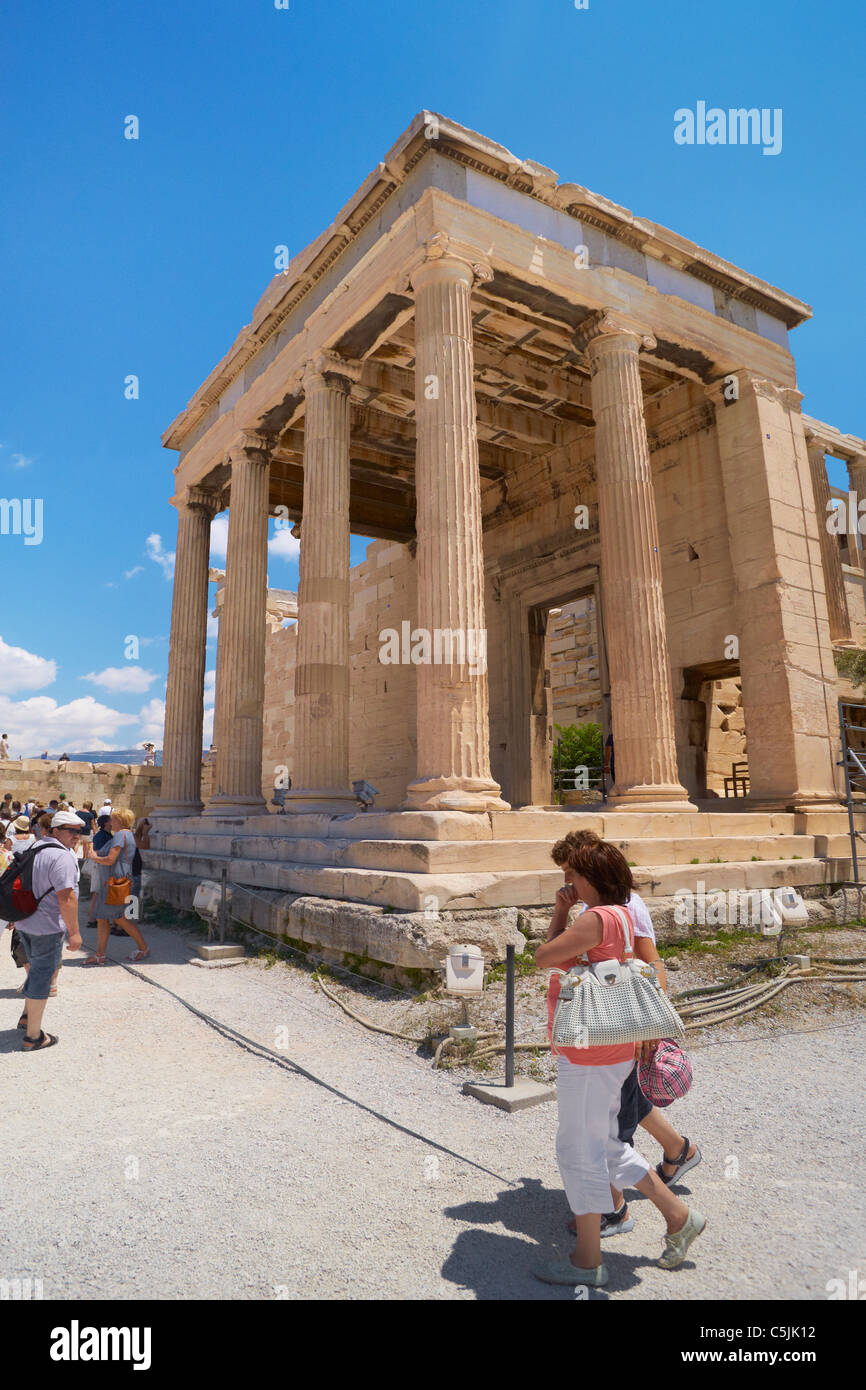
{"points": [[643, 924], [19, 846]]}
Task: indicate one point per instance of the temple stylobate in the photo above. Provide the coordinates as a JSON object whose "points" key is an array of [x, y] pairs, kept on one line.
{"points": [[531, 394]]}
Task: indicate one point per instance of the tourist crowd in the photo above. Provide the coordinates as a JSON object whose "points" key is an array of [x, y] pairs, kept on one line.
{"points": [[43, 851]]}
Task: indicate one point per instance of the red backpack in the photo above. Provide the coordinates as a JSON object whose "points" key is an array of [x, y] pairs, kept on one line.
{"points": [[17, 899]]}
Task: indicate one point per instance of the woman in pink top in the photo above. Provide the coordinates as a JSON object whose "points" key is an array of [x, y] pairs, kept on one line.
{"points": [[589, 1080]]}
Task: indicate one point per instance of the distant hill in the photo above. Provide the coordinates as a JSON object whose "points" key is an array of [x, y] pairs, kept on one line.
{"points": [[114, 755]]}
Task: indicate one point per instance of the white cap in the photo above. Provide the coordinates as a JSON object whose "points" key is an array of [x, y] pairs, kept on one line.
{"points": [[65, 820]]}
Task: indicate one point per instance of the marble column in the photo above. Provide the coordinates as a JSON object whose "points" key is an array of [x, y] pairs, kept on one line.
{"points": [[241, 650], [634, 617], [780, 615], [831, 559], [180, 793], [857, 484], [321, 743], [453, 757]]}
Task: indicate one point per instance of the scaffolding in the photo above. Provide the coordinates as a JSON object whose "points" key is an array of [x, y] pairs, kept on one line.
{"points": [[853, 736]]}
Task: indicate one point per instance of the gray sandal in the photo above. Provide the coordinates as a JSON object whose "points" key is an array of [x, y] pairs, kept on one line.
{"points": [[684, 1164]]}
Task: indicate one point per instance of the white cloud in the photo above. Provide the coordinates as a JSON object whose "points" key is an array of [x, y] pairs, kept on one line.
{"points": [[219, 537], [209, 687], [163, 558], [136, 569], [133, 680], [40, 722], [22, 670], [284, 545], [213, 627], [207, 728], [21, 461], [152, 716]]}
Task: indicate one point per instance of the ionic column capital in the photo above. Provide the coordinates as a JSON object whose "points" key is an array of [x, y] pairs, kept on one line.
{"points": [[605, 326], [201, 499], [249, 445], [815, 445], [442, 258], [857, 470], [330, 371]]}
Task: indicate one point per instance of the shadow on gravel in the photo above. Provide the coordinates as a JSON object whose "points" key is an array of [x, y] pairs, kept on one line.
{"points": [[10, 1040], [498, 1266], [501, 1266]]}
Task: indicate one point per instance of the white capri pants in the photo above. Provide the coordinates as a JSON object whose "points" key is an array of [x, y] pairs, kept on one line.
{"points": [[590, 1154]]}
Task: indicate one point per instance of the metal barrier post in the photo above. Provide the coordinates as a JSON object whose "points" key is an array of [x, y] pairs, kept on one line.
{"points": [[509, 1016]]}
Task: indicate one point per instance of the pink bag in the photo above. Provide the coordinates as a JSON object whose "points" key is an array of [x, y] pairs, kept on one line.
{"points": [[667, 1077]]}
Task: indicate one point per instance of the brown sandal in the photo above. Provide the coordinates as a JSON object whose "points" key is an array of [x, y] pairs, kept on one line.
{"points": [[37, 1044]]}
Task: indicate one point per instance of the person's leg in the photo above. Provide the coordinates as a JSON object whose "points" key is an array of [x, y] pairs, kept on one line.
{"points": [[103, 928], [630, 1098], [35, 1010], [44, 953], [132, 930], [587, 1246], [586, 1097], [670, 1139], [673, 1209]]}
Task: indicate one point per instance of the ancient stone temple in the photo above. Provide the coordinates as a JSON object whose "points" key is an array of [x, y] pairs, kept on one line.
{"points": [[532, 399]]}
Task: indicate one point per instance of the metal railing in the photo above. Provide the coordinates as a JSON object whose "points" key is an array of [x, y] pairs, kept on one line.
{"points": [[853, 762], [585, 777]]}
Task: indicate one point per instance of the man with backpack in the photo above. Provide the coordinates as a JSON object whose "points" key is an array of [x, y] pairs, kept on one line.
{"points": [[39, 893]]}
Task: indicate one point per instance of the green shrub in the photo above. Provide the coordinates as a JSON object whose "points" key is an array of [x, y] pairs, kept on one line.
{"points": [[582, 745]]}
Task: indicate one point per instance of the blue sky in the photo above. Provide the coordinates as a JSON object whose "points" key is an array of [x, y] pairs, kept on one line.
{"points": [[256, 124]]}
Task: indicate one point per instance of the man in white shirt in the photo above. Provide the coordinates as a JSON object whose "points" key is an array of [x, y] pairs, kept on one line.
{"points": [[105, 808], [55, 887]]}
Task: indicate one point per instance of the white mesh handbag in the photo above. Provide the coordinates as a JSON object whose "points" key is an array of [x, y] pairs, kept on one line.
{"points": [[630, 1008]]}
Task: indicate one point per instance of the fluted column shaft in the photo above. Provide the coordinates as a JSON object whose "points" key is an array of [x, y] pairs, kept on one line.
{"points": [[180, 793], [453, 758], [241, 650], [857, 484], [831, 560], [637, 651], [321, 742]]}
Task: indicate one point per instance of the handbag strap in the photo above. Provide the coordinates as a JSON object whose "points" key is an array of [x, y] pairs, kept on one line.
{"points": [[625, 922]]}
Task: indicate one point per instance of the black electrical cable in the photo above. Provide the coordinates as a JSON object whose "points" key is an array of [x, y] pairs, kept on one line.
{"points": [[260, 1049]]}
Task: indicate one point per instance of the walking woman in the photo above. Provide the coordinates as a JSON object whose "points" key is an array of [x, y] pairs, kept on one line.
{"points": [[117, 857], [590, 1155]]}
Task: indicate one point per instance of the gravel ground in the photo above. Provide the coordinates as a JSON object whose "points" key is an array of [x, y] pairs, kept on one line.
{"points": [[158, 1159]]}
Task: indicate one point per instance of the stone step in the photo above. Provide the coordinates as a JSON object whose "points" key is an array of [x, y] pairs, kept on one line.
{"points": [[460, 856], [412, 892], [531, 824]]}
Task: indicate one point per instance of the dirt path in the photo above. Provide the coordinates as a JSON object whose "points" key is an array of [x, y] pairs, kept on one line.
{"points": [[147, 1156]]}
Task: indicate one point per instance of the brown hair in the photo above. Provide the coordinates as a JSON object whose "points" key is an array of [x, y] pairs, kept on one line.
{"points": [[44, 821], [605, 867], [573, 840]]}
